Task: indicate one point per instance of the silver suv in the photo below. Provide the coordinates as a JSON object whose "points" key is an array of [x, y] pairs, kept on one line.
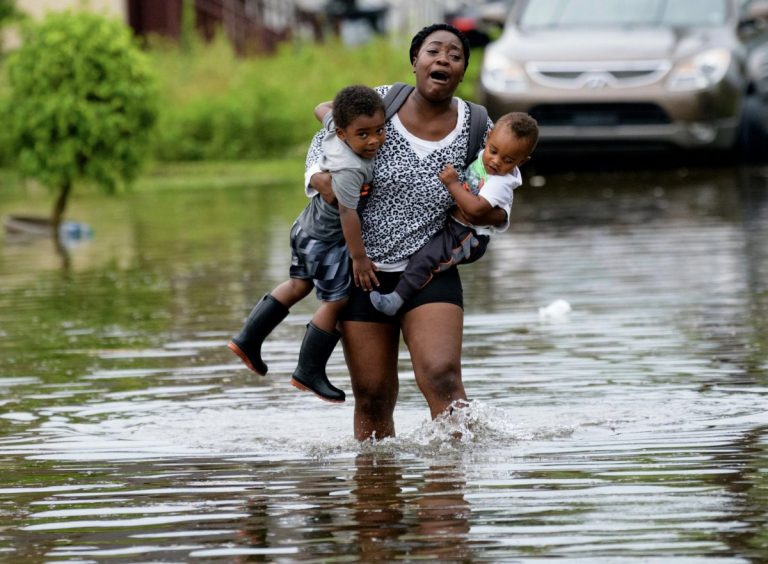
{"points": [[686, 73]]}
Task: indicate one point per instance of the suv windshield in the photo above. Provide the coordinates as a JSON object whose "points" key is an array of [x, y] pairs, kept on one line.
{"points": [[623, 13]]}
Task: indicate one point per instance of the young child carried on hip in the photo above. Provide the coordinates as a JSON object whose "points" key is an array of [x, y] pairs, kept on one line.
{"points": [[489, 183], [323, 239]]}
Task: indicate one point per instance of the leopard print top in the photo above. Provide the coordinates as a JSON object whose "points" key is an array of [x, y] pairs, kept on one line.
{"points": [[407, 202]]}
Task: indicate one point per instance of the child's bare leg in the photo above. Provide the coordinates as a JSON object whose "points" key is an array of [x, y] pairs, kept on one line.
{"points": [[292, 291], [327, 315]]}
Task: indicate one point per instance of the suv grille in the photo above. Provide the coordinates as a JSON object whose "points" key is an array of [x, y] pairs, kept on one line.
{"points": [[597, 74], [597, 115]]}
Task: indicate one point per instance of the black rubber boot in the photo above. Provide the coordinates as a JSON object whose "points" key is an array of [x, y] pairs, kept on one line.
{"points": [[316, 349], [267, 315]]}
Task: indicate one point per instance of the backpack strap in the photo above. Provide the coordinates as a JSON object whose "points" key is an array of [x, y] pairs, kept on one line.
{"points": [[478, 117], [478, 125], [395, 97]]}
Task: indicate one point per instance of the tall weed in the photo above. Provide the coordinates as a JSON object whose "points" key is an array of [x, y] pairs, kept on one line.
{"points": [[6, 143], [220, 106]]}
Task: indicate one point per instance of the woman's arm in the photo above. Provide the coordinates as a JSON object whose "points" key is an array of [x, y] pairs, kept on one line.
{"points": [[321, 181], [322, 109], [314, 178]]}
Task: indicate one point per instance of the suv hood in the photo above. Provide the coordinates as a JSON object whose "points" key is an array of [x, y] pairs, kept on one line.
{"points": [[613, 44]]}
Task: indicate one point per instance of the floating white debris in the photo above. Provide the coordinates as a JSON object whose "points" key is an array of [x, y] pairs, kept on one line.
{"points": [[556, 310]]}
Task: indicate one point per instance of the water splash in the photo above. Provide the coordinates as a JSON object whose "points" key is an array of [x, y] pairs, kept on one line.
{"points": [[466, 427]]}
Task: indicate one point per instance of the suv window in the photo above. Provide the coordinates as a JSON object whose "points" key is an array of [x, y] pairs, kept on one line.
{"points": [[619, 13]]}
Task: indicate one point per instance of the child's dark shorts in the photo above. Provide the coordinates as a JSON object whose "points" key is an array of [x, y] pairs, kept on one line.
{"points": [[443, 288], [326, 263]]}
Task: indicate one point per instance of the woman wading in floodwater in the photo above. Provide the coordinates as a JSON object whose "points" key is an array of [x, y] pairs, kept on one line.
{"points": [[407, 205]]}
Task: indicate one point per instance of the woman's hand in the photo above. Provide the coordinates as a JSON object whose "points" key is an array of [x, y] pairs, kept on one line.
{"points": [[321, 181]]}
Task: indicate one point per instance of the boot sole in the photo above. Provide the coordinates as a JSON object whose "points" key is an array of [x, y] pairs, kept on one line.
{"points": [[235, 349], [298, 385]]}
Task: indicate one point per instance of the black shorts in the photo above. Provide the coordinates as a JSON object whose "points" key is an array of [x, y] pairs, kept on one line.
{"points": [[443, 288]]}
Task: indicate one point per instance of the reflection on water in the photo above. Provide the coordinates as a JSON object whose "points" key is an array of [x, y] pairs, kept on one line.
{"points": [[634, 427]]}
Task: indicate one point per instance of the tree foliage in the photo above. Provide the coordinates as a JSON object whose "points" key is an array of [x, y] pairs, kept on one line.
{"points": [[84, 102], [7, 10]]}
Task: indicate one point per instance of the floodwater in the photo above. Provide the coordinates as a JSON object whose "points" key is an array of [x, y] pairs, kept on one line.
{"points": [[632, 429]]}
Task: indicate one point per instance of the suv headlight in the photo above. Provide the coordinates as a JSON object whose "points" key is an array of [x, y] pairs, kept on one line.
{"points": [[499, 74], [700, 71]]}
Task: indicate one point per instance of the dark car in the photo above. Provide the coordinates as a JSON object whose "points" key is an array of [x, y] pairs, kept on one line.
{"points": [[683, 73]]}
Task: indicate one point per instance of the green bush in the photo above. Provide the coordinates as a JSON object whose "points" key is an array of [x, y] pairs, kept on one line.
{"points": [[83, 100]]}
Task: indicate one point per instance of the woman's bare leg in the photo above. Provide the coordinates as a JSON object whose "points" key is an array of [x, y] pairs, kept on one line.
{"points": [[433, 333], [371, 353]]}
